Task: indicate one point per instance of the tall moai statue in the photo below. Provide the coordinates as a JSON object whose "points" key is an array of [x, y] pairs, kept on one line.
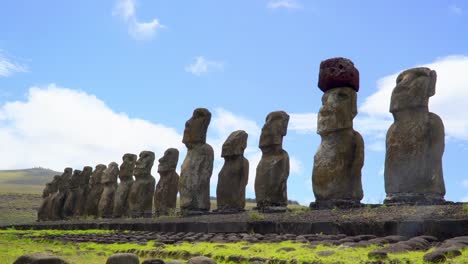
{"points": [[165, 196], [194, 182], [44, 211], [415, 142], [72, 197], [234, 175], [61, 196], [141, 193], [83, 191], [109, 184], [336, 176], [273, 168], [126, 180], [95, 190]]}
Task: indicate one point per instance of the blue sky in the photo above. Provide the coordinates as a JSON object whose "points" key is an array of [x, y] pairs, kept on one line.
{"points": [[83, 82]]}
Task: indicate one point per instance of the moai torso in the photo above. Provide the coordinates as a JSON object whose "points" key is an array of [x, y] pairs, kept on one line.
{"points": [[141, 192], [415, 142], [95, 190], [194, 182], [126, 181], [83, 190], [336, 175], [72, 197], [109, 183], [60, 196], [165, 196], [273, 168], [44, 211]]}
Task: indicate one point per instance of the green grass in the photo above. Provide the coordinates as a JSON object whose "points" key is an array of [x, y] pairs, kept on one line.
{"points": [[12, 247]]}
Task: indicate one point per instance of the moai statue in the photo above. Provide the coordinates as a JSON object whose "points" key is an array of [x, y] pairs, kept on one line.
{"points": [[126, 180], [336, 176], [109, 184], [273, 168], [72, 197], [233, 177], [165, 196], [415, 142], [83, 191], [141, 193], [194, 182], [60, 197], [44, 211], [95, 190]]}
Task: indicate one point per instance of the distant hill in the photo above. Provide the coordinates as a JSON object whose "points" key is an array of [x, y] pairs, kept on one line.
{"points": [[27, 180]]}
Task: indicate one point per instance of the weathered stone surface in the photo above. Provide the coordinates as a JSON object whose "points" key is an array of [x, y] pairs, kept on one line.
{"points": [[39, 259], [165, 196], [194, 182], [45, 210], [123, 258], [141, 193], [153, 261], [201, 260], [83, 191], [95, 190], [273, 168], [336, 175], [338, 72], [70, 202], [234, 175], [435, 257], [109, 183], [58, 200], [415, 142], [126, 180]]}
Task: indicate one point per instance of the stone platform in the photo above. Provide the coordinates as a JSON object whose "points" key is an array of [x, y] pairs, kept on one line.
{"points": [[441, 221]]}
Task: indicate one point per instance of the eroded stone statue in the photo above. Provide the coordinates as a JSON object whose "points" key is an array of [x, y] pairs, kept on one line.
{"points": [[58, 200], [194, 182], [273, 168], [44, 212], [109, 184], [72, 197], [165, 196], [336, 176], [141, 193], [126, 180], [83, 191], [415, 142], [234, 175], [95, 190]]}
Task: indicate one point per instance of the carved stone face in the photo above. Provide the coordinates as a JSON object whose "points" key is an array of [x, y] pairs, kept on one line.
{"points": [[339, 107], [196, 127], [110, 174], [168, 162], [144, 164], [97, 174], [235, 144], [275, 128], [413, 89], [128, 165], [75, 178]]}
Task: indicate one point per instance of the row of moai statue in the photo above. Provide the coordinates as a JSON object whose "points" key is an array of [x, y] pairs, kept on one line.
{"points": [[413, 162]]}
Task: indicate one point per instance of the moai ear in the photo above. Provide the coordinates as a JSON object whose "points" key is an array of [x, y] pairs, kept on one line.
{"points": [[432, 85], [354, 104]]}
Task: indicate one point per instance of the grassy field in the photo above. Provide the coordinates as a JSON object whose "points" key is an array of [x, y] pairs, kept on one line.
{"points": [[14, 246]]}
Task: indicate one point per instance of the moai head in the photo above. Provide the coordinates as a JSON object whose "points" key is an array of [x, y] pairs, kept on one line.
{"points": [[339, 79], [96, 176], [144, 164], [64, 183], [111, 173], [51, 187], [413, 89], [127, 166], [168, 162], [87, 170], [67, 173], [75, 179], [274, 129], [235, 144], [196, 127]]}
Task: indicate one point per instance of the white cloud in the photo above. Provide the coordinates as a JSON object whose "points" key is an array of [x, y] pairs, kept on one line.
{"points": [[203, 66], [450, 98], [303, 123], [138, 30], [464, 199], [465, 183], [57, 127], [454, 9], [286, 4], [8, 67]]}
